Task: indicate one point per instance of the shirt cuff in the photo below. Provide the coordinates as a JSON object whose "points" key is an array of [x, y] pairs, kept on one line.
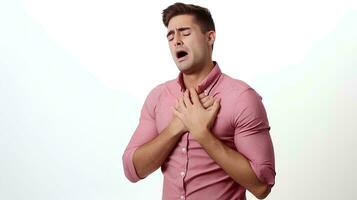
{"points": [[128, 164]]}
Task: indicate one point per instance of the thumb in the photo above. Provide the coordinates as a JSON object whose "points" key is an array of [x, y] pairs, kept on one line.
{"points": [[176, 112], [216, 106]]}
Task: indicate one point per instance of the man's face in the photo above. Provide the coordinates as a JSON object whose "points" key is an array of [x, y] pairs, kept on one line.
{"points": [[190, 48]]}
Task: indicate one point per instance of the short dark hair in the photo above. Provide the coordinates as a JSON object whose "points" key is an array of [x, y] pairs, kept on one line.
{"points": [[202, 15]]}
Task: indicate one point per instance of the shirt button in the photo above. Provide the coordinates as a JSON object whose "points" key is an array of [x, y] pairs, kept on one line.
{"points": [[182, 197], [183, 149], [206, 92], [182, 173]]}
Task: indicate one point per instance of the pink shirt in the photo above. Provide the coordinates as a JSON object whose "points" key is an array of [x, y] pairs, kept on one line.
{"points": [[189, 172]]}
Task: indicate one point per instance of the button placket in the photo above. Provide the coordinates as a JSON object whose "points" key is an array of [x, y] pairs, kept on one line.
{"points": [[182, 172], [184, 151]]}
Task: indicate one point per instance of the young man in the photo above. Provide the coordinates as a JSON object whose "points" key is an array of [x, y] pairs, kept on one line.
{"points": [[208, 132]]}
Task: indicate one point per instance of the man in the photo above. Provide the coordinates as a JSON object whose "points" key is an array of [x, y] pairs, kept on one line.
{"points": [[208, 132]]}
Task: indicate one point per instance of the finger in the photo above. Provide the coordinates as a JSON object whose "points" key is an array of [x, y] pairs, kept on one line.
{"points": [[204, 99], [177, 113], [208, 103], [182, 104], [208, 98], [216, 106], [202, 95], [177, 105], [186, 99], [194, 97]]}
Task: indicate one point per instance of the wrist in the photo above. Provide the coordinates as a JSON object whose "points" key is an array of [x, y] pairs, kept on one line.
{"points": [[201, 135], [174, 129]]}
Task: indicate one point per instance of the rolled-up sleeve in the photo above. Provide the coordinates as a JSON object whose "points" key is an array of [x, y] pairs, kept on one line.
{"points": [[144, 132], [252, 137]]}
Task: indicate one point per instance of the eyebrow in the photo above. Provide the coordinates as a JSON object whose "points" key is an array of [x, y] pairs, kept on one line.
{"points": [[179, 29]]}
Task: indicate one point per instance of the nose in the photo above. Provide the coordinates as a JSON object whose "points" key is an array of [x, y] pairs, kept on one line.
{"points": [[178, 43], [177, 40]]}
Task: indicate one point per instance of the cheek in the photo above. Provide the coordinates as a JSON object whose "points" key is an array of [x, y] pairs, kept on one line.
{"points": [[198, 45], [197, 51], [172, 52]]}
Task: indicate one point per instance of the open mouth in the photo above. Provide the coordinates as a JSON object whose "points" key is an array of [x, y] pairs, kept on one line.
{"points": [[181, 54]]}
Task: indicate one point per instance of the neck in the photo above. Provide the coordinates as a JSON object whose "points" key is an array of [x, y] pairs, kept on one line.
{"points": [[194, 79]]}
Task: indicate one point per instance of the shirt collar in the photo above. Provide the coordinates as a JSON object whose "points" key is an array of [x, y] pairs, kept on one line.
{"points": [[207, 83]]}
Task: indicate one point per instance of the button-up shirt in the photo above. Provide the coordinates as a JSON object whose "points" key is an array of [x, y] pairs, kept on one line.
{"points": [[189, 172]]}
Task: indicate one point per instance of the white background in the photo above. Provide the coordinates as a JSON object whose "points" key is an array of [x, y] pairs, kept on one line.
{"points": [[74, 75]]}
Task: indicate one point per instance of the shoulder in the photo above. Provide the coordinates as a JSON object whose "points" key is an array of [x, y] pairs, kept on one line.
{"points": [[155, 93], [242, 98], [238, 89]]}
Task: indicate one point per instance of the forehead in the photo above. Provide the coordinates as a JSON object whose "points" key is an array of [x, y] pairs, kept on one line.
{"points": [[182, 21]]}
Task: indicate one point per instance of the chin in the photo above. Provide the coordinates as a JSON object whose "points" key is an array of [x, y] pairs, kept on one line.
{"points": [[183, 68]]}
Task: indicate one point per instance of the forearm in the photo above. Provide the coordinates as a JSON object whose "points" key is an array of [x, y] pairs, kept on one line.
{"points": [[151, 155], [234, 164]]}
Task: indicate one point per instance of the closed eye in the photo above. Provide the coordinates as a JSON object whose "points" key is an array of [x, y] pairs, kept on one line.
{"points": [[186, 32], [170, 37]]}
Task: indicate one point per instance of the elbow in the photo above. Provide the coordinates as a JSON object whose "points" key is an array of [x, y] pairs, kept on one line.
{"points": [[262, 192], [266, 177]]}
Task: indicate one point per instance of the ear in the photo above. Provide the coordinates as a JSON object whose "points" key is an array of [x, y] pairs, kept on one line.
{"points": [[211, 36]]}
